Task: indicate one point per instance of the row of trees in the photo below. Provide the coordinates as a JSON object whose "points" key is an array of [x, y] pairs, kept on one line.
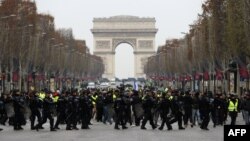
{"points": [[32, 51], [218, 43]]}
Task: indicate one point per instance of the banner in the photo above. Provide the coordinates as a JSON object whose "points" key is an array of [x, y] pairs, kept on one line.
{"points": [[244, 73], [15, 77]]}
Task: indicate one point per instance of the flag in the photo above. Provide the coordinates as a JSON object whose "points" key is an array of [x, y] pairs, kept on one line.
{"points": [[244, 72], [206, 76], [136, 86], [219, 74], [197, 76], [30, 77], [188, 77], [15, 76]]}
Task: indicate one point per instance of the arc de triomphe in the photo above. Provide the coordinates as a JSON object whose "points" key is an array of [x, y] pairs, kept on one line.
{"points": [[108, 33]]}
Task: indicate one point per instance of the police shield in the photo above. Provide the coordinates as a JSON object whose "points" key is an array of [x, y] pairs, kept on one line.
{"points": [[138, 110], [9, 109], [26, 111]]}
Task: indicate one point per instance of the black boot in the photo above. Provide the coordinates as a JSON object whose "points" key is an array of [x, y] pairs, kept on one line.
{"points": [[52, 129], [181, 128], [170, 128], [75, 128], [160, 128], [68, 128], [20, 128], [124, 127], [37, 128]]}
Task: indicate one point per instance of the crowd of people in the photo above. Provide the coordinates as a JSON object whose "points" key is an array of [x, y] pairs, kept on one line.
{"points": [[123, 106]]}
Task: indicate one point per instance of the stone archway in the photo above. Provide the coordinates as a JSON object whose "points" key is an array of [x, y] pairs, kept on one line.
{"points": [[108, 33]]}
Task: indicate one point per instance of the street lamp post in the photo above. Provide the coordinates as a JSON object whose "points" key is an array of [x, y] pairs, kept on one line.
{"points": [[248, 79], [193, 71]]}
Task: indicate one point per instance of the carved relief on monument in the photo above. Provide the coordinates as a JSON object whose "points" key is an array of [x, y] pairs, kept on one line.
{"points": [[130, 41], [104, 59], [143, 62], [146, 44], [102, 44]]}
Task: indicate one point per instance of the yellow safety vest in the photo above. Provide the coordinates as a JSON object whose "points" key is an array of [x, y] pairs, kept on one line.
{"points": [[233, 107], [55, 99], [171, 97], [41, 96], [94, 99], [114, 97], [143, 98], [158, 95]]}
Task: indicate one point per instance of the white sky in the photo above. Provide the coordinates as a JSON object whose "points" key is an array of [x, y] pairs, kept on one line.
{"points": [[172, 18]]}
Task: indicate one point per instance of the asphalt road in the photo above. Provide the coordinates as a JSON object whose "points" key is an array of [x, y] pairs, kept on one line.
{"points": [[101, 132]]}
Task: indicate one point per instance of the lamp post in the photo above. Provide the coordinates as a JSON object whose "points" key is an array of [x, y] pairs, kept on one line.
{"points": [[248, 68], [193, 71], [233, 69]]}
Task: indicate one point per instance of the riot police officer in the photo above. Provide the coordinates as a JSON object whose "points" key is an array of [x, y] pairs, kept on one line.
{"points": [[177, 111], [18, 103], [48, 106], [148, 104], [72, 111], [35, 105], [99, 108], [137, 107], [84, 110], [2, 111], [164, 108], [61, 109], [119, 106]]}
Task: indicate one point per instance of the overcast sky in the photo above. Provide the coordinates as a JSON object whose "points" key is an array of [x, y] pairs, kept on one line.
{"points": [[172, 17]]}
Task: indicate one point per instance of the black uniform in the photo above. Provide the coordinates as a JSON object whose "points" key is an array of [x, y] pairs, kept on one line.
{"points": [[99, 108], [164, 108], [119, 106], [127, 109], [90, 109], [176, 108], [35, 105], [3, 114], [61, 111], [73, 112], [220, 108], [204, 106], [137, 108], [148, 104], [18, 103], [84, 111], [187, 105], [48, 106]]}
